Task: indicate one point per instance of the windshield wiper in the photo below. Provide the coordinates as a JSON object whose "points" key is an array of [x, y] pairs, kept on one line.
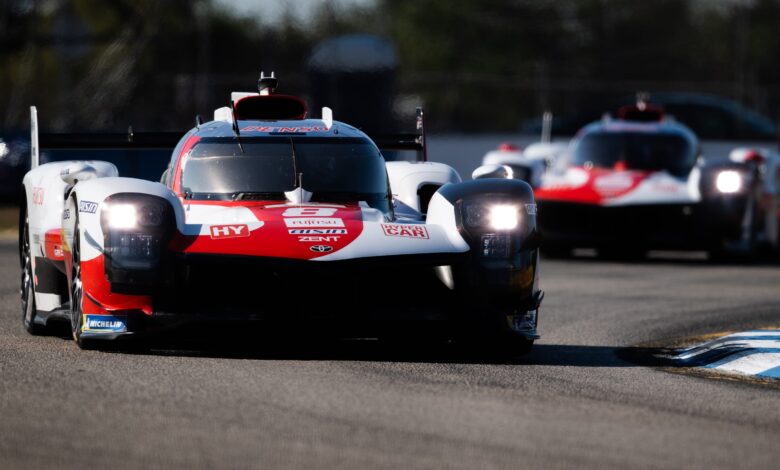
{"points": [[235, 126], [346, 196], [257, 196]]}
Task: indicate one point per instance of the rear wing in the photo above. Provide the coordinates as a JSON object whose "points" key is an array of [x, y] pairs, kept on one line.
{"points": [[412, 141], [143, 155], [99, 141]]}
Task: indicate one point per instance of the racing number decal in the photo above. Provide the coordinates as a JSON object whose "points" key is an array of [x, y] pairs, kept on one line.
{"points": [[309, 212]]}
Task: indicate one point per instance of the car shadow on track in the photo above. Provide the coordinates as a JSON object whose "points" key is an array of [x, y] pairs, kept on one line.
{"points": [[398, 350], [676, 258], [421, 349]]}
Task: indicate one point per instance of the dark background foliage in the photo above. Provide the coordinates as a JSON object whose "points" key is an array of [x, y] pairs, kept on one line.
{"points": [[477, 65]]}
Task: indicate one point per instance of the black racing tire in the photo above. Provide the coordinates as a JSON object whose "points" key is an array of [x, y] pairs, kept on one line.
{"points": [[747, 254], [622, 253], [27, 291], [77, 293], [490, 334], [724, 255], [555, 251], [513, 345]]}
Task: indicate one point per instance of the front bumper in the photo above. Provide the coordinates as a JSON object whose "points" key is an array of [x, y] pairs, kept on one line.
{"points": [[702, 225]]}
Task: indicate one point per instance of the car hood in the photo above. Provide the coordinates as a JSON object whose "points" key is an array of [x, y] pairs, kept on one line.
{"points": [[608, 187], [310, 231]]}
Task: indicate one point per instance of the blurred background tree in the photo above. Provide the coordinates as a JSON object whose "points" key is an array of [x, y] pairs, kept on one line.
{"points": [[477, 65]]}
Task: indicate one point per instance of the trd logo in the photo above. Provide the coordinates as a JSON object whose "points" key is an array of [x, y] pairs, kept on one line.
{"points": [[229, 231]]}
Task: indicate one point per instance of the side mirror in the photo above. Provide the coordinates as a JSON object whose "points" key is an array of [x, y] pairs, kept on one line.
{"points": [[78, 171], [492, 171]]}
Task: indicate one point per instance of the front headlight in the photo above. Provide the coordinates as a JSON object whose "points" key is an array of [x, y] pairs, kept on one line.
{"points": [[504, 217], [492, 216], [121, 216], [728, 182], [136, 231], [128, 216]]}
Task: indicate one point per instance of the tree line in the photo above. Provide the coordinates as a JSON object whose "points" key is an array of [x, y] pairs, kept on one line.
{"points": [[477, 65]]}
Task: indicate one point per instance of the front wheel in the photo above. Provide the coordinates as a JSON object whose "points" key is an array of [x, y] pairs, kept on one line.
{"points": [[555, 251], [622, 253], [77, 294], [27, 285], [513, 345], [506, 332]]}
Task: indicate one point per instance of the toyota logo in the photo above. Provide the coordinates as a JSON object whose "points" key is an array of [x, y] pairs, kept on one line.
{"points": [[321, 248]]}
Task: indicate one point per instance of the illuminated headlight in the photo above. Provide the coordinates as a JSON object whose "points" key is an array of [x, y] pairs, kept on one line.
{"points": [[136, 231], [728, 182], [492, 216], [128, 216], [121, 216], [504, 217]]}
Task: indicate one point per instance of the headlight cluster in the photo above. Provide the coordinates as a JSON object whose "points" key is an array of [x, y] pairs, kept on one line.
{"points": [[136, 229], [130, 216], [728, 182], [491, 216]]}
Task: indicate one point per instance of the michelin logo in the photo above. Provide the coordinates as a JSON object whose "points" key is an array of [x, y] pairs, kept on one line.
{"points": [[104, 323]]}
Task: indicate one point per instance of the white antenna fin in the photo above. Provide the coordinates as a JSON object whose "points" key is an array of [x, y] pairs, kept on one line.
{"points": [[298, 195], [327, 116], [223, 114], [35, 156]]}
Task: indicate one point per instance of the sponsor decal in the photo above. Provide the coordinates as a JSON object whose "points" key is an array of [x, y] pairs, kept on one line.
{"points": [[408, 231], [667, 187], [309, 212], [66, 214], [58, 251], [37, 196], [313, 222], [530, 209], [317, 231], [229, 231], [284, 129], [318, 238], [612, 185], [321, 248], [104, 323], [88, 206]]}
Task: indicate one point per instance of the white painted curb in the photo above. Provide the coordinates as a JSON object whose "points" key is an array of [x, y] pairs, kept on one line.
{"points": [[755, 353]]}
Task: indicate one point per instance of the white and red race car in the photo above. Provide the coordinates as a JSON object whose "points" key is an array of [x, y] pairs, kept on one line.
{"points": [[263, 214], [639, 182]]}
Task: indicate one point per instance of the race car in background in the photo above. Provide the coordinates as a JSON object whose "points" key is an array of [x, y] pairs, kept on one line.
{"points": [[529, 164], [264, 214], [639, 182]]}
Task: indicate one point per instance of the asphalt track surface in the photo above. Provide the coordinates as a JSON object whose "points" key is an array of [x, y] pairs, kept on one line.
{"points": [[574, 402]]}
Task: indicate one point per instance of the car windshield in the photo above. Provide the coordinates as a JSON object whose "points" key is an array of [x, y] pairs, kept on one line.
{"points": [[636, 150], [333, 169]]}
